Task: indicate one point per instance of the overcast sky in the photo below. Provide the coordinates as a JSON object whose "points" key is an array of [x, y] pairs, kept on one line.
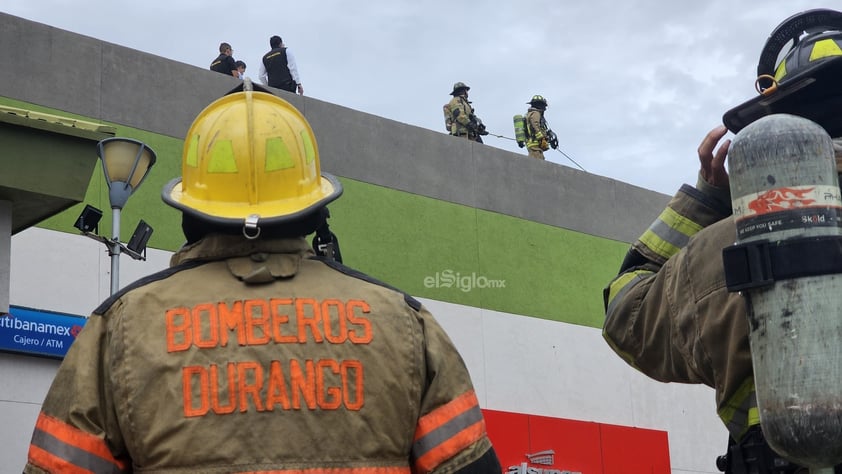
{"points": [[632, 86]]}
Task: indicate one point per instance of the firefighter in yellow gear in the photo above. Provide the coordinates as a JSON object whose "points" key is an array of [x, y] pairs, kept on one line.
{"points": [[537, 130], [250, 353], [460, 117]]}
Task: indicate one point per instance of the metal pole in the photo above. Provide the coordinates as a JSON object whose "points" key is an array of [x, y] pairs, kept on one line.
{"points": [[114, 250], [5, 253]]}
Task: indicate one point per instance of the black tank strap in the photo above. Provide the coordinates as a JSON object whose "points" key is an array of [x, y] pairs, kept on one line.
{"points": [[761, 263]]}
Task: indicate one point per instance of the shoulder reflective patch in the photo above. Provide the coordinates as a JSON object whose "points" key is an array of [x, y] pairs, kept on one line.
{"points": [[192, 158], [222, 158], [825, 48], [309, 149], [59, 447], [278, 156], [446, 431]]}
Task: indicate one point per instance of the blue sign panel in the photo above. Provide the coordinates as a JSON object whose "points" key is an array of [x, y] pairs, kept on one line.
{"points": [[43, 333]]}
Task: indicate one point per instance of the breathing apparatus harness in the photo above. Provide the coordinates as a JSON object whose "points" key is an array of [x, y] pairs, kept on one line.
{"points": [[325, 242]]}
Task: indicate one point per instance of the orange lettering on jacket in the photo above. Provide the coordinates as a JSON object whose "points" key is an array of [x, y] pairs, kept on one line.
{"points": [[259, 322], [248, 386]]}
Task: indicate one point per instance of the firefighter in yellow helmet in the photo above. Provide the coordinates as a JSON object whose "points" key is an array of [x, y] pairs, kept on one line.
{"points": [[539, 137], [250, 353], [669, 312]]}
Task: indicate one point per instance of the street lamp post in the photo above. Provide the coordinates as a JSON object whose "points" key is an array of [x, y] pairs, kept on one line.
{"points": [[125, 164]]}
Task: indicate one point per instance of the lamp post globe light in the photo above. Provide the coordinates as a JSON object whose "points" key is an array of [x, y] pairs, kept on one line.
{"points": [[125, 164]]}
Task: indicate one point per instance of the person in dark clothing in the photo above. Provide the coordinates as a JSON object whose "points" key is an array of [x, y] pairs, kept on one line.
{"points": [[224, 63], [278, 68]]}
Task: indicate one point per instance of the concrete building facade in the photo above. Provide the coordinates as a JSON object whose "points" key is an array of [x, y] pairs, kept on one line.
{"points": [[509, 253]]}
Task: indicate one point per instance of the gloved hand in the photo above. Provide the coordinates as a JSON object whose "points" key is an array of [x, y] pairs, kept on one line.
{"points": [[520, 144], [553, 139], [472, 126], [544, 144]]}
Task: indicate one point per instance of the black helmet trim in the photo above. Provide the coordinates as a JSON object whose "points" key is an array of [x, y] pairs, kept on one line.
{"points": [[812, 93], [810, 21], [166, 195], [537, 99], [810, 90]]}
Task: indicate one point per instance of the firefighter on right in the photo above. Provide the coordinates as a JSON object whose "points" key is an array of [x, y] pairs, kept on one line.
{"points": [[539, 136], [672, 312]]}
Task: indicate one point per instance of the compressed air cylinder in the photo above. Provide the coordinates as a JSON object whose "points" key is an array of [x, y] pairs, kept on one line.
{"points": [[784, 185], [520, 129]]}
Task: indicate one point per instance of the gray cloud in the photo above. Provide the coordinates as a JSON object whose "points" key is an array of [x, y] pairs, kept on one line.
{"points": [[632, 86]]}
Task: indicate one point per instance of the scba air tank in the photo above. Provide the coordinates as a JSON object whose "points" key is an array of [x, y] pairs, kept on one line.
{"points": [[520, 129], [785, 190]]}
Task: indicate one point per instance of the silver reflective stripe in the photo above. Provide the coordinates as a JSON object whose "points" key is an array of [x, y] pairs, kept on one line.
{"points": [[448, 430], [73, 455], [669, 234]]}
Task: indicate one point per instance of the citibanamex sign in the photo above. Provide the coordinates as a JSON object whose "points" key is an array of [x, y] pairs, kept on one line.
{"points": [[539, 463]]}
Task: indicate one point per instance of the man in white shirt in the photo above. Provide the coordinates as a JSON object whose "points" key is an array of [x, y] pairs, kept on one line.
{"points": [[278, 68]]}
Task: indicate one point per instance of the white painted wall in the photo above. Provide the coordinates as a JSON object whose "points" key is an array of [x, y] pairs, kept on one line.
{"points": [[528, 365], [518, 364]]}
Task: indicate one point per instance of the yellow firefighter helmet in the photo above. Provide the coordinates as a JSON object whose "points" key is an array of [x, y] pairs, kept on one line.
{"points": [[250, 157]]}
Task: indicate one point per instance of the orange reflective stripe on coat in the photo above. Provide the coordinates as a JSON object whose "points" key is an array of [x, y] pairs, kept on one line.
{"points": [[338, 470], [446, 431], [59, 447]]}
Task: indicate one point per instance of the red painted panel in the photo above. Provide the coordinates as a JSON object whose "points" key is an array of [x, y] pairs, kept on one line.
{"points": [[576, 443], [509, 433], [531, 444], [635, 450]]}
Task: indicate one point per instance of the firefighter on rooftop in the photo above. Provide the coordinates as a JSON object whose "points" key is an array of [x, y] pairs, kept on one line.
{"points": [[539, 136], [459, 116]]}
